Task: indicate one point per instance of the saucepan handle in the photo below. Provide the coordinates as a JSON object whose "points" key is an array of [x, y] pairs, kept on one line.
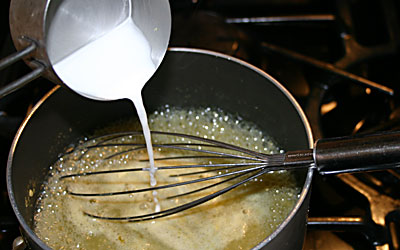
{"points": [[19, 83], [360, 153]]}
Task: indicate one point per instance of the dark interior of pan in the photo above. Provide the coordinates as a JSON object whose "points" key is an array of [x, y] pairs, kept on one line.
{"points": [[186, 78]]}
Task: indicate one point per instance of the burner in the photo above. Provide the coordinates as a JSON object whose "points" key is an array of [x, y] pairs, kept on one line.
{"points": [[347, 109]]}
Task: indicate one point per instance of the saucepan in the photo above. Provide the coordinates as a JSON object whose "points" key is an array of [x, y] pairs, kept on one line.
{"points": [[186, 78]]}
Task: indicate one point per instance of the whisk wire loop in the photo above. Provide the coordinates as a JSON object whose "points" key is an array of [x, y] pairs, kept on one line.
{"points": [[251, 163]]}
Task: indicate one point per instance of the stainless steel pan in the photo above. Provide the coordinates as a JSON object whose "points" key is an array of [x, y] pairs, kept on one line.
{"points": [[186, 78]]}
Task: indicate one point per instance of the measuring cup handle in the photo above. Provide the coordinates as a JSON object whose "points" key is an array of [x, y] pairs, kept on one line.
{"points": [[19, 83], [22, 81], [360, 153], [7, 61]]}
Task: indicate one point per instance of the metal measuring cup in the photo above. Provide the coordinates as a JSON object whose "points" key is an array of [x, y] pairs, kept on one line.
{"points": [[44, 32]]}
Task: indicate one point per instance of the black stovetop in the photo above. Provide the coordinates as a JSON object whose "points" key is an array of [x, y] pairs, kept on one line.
{"points": [[322, 52]]}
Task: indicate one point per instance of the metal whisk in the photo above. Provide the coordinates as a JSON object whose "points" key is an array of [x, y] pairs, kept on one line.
{"points": [[240, 165]]}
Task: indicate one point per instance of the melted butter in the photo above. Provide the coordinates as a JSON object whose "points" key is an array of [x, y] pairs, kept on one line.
{"points": [[239, 219]]}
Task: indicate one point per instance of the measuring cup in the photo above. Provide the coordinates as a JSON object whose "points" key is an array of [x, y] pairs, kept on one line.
{"points": [[44, 32]]}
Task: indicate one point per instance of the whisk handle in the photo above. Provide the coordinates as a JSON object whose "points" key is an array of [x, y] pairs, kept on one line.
{"points": [[355, 154]]}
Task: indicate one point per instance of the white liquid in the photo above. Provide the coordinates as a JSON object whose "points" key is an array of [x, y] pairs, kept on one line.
{"points": [[115, 66]]}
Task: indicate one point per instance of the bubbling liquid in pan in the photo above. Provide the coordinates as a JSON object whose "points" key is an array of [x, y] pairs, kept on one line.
{"points": [[239, 219]]}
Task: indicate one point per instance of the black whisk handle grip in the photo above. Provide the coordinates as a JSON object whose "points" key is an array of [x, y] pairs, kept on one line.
{"points": [[360, 153]]}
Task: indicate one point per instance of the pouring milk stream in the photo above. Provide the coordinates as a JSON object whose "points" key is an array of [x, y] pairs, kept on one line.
{"points": [[115, 66]]}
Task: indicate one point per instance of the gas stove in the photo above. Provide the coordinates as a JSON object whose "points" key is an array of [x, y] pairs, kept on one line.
{"points": [[340, 61]]}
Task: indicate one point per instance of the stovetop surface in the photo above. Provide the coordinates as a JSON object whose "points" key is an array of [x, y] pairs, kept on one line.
{"points": [[322, 52]]}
